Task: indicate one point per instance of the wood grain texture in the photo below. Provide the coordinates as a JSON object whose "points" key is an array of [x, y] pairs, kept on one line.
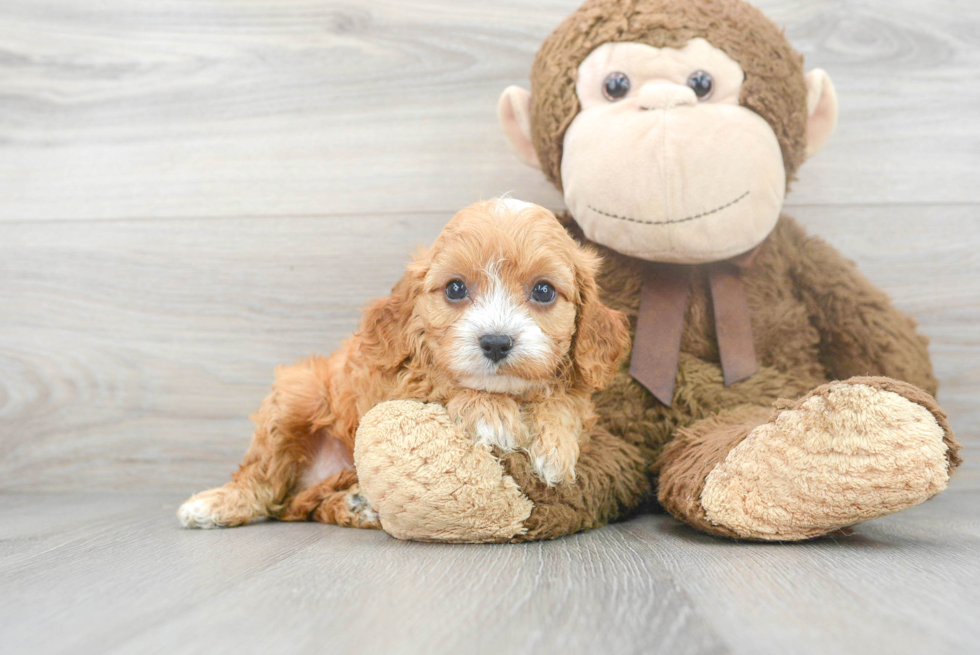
{"points": [[217, 108], [906, 583], [131, 581], [194, 191], [115, 574], [133, 351]]}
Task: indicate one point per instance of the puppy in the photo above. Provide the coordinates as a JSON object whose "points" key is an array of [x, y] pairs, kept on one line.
{"points": [[499, 321]]}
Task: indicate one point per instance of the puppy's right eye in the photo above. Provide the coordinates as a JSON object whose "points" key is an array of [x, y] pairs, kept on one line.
{"points": [[456, 290], [543, 293]]}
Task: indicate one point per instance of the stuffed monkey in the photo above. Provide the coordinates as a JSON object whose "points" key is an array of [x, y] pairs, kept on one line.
{"points": [[773, 393]]}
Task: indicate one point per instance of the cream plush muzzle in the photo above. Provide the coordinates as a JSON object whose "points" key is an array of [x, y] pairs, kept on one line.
{"points": [[661, 175]]}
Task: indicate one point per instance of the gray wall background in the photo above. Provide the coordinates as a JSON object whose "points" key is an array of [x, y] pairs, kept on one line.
{"points": [[194, 191]]}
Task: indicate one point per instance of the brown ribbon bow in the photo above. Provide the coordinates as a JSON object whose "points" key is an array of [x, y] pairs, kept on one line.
{"points": [[660, 322]]}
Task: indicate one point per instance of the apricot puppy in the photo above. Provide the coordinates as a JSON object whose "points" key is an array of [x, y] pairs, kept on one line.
{"points": [[499, 321]]}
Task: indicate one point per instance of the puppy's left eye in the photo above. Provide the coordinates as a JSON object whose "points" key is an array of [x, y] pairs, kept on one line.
{"points": [[456, 290], [543, 293]]}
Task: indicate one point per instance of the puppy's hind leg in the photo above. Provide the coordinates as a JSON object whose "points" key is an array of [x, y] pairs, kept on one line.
{"points": [[336, 500], [284, 431]]}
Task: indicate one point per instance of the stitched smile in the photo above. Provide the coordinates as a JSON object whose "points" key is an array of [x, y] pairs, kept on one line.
{"points": [[679, 220]]}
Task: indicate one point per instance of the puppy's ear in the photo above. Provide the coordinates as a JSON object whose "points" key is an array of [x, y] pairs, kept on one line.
{"points": [[389, 331], [602, 337]]}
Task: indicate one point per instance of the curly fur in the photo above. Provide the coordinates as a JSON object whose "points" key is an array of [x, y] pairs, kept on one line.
{"points": [[408, 346]]}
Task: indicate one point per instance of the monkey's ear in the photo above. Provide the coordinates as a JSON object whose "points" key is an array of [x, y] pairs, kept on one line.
{"points": [[514, 113], [821, 105]]}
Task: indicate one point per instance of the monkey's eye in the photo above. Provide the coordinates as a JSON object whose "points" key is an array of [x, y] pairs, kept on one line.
{"points": [[700, 82], [456, 290], [616, 86], [543, 293]]}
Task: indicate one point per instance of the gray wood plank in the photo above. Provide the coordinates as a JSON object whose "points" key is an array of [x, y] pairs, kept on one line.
{"points": [[133, 351], [191, 108], [33, 525], [192, 192], [131, 581], [85, 588], [907, 583], [136, 583]]}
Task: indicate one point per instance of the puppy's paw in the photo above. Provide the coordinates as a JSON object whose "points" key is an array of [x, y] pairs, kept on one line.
{"points": [[200, 511], [224, 507], [554, 463], [489, 420], [359, 510], [495, 436]]}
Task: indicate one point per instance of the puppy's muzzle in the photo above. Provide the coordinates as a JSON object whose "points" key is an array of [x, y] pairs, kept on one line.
{"points": [[496, 347]]}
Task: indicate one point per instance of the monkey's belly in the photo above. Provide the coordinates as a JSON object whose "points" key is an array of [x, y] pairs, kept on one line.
{"points": [[629, 411]]}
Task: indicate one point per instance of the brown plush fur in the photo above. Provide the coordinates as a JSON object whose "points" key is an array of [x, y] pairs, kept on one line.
{"points": [[612, 476], [774, 86], [695, 451], [406, 348], [815, 318]]}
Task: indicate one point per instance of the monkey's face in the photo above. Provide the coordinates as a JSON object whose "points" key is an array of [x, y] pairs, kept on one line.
{"points": [[662, 163], [656, 155]]}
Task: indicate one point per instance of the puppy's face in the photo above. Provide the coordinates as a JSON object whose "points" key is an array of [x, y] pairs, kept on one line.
{"points": [[501, 296]]}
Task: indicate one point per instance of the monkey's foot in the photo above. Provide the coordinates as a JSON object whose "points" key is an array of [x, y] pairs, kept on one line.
{"points": [[428, 481], [847, 452]]}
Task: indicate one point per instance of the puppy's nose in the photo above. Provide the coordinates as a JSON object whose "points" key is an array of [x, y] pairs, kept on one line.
{"points": [[496, 346]]}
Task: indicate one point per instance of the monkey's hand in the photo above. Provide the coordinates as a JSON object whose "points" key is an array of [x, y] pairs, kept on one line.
{"points": [[429, 481]]}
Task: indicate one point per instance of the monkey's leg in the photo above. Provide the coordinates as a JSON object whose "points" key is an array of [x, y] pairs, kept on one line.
{"points": [[281, 446], [844, 453]]}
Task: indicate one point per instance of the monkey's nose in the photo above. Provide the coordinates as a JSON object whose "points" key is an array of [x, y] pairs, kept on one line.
{"points": [[666, 96], [496, 346]]}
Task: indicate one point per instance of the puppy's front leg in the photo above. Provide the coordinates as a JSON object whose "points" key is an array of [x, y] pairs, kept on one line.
{"points": [[491, 419], [557, 430]]}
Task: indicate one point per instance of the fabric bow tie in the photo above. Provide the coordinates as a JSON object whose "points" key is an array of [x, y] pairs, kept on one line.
{"points": [[660, 322]]}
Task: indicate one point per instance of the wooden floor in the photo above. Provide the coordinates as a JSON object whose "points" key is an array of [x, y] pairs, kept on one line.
{"points": [[194, 191], [112, 574]]}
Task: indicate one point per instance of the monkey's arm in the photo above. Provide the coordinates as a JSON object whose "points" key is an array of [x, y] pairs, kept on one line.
{"points": [[428, 481], [861, 332], [610, 480]]}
